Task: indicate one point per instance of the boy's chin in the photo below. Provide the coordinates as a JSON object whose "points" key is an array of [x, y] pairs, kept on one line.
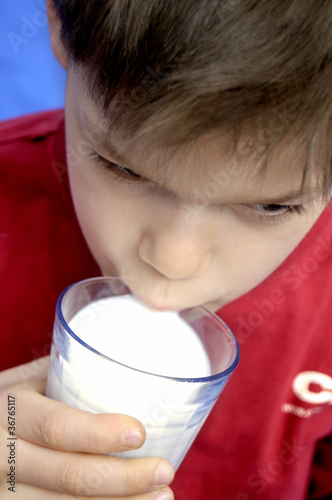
{"points": [[215, 306], [109, 273]]}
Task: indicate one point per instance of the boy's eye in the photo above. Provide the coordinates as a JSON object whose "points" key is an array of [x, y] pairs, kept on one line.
{"points": [[120, 172], [271, 209], [275, 211]]}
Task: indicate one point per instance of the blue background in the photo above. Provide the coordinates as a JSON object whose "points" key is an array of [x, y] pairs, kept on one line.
{"points": [[31, 79]]}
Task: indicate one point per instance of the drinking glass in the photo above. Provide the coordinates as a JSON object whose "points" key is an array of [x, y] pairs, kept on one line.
{"points": [[172, 408]]}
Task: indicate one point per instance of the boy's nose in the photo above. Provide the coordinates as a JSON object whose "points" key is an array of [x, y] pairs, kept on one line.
{"points": [[176, 250]]}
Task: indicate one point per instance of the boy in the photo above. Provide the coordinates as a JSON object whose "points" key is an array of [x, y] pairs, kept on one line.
{"points": [[199, 164]]}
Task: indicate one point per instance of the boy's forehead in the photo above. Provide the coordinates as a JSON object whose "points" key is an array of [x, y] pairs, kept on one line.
{"points": [[240, 171]]}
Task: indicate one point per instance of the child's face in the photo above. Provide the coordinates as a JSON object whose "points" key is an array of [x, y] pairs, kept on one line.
{"points": [[200, 228]]}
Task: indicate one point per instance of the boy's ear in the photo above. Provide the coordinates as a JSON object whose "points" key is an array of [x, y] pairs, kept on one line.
{"points": [[55, 27]]}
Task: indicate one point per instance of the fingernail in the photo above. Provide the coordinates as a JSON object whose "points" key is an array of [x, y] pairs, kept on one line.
{"points": [[132, 438], [164, 474], [164, 495]]}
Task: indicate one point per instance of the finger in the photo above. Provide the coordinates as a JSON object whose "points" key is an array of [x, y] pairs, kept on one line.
{"points": [[53, 424], [34, 370], [91, 475], [28, 492]]}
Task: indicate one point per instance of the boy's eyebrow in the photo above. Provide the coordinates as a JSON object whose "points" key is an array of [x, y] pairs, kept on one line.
{"points": [[298, 195], [103, 140]]}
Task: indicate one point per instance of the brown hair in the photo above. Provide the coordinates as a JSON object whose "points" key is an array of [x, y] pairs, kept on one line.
{"points": [[178, 69]]}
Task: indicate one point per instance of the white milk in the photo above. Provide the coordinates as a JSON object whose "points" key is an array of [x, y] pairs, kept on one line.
{"points": [[130, 333]]}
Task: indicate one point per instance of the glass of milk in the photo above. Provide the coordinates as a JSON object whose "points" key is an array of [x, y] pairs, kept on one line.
{"points": [[113, 354]]}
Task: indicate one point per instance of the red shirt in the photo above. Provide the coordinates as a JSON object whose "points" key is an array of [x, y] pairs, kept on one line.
{"points": [[42, 250], [269, 435]]}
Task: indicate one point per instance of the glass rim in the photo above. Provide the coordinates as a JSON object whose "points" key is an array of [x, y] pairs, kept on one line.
{"points": [[224, 373]]}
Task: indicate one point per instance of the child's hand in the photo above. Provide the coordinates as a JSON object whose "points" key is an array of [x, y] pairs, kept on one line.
{"points": [[52, 452]]}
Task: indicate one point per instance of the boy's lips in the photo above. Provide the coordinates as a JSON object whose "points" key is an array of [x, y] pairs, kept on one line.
{"points": [[143, 297], [154, 305], [177, 301], [164, 305]]}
